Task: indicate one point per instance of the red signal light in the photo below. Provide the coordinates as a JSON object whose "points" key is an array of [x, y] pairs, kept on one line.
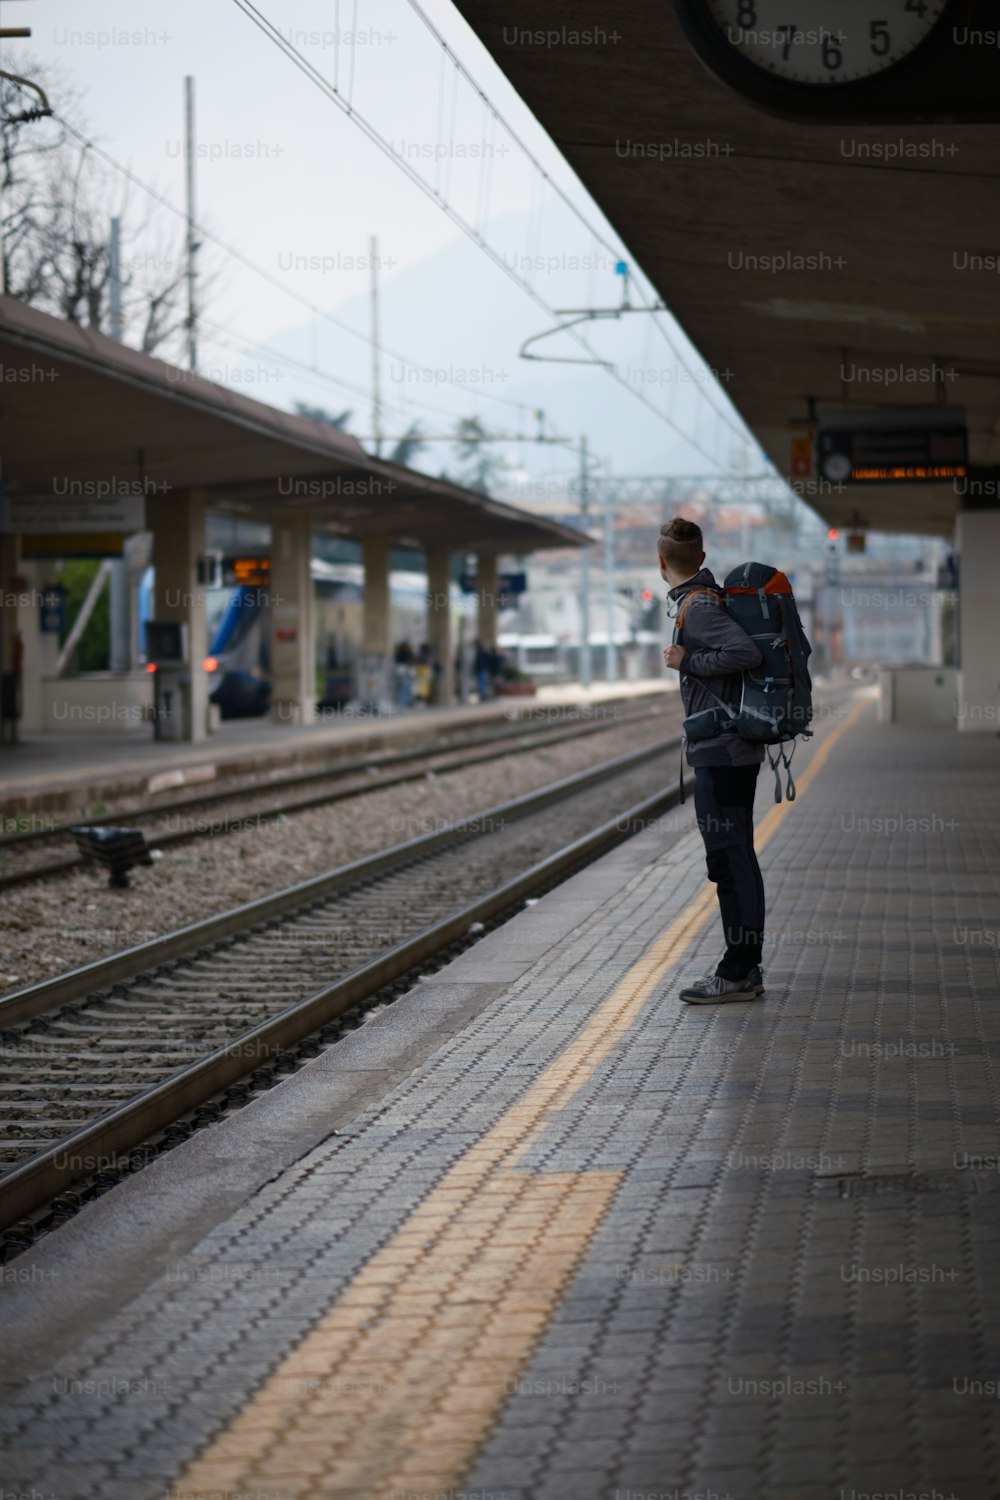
{"points": [[211, 664], [833, 534]]}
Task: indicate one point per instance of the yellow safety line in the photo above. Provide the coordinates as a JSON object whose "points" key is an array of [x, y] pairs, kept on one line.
{"points": [[398, 1387]]}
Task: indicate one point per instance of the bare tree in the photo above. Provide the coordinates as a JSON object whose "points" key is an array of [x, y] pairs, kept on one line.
{"points": [[26, 145], [166, 315], [57, 200]]}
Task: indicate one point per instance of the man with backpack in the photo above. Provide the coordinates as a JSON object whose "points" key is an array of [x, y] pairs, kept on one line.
{"points": [[710, 652]]}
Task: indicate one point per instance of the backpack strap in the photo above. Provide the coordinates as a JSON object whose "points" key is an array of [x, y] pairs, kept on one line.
{"points": [[708, 593], [790, 780], [727, 708], [782, 759]]}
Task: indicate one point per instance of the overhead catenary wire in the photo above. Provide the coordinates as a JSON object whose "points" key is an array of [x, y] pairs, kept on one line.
{"points": [[246, 344], [310, 71], [573, 207], [243, 344], [258, 270], [268, 29]]}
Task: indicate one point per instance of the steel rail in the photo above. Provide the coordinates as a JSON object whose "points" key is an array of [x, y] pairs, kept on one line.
{"points": [[35, 1182], [23, 1004], [540, 738], [346, 767]]}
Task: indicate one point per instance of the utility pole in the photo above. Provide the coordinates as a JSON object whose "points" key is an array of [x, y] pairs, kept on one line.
{"points": [[116, 319], [119, 600], [376, 362], [611, 651], [192, 243], [586, 672]]}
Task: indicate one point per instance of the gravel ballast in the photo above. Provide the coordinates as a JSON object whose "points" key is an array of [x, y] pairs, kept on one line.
{"points": [[55, 925]]}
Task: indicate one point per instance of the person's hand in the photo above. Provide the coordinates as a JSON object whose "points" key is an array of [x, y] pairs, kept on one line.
{"points": [[673, 656]]}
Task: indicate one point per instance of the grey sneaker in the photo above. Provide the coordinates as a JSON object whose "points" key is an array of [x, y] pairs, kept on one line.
{"points": [[713, 990]]}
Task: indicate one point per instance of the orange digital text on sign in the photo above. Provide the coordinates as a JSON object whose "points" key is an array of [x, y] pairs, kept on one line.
{"points": [[910, 471], [252, 571]]}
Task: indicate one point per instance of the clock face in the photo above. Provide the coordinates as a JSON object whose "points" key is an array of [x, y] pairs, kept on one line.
{"points": [[825, 41], [836, 467]]}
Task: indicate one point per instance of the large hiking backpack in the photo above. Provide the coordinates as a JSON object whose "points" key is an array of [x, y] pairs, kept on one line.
{"points": [[776, 697]]}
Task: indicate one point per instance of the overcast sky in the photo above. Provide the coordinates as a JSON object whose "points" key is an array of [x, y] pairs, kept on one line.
{"points": [[289, 180]]}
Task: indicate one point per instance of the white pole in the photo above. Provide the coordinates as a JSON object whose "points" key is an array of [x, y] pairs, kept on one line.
{"points": [[376, 372], [586, 672], [611, 651], [119, 591], [117, 323]]}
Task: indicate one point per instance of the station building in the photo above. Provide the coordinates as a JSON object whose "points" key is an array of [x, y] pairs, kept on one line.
{"points": [[540, 1229], [102, 442]]}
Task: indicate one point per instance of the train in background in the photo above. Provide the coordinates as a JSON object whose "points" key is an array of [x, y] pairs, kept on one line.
{"points": [[238, 617]]}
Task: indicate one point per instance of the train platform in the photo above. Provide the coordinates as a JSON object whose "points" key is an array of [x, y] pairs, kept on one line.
{"points": [[540, 1231], [56, 772]]}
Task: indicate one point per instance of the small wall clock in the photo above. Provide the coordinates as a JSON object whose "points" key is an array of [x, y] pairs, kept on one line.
{"points": [[866, 59]]}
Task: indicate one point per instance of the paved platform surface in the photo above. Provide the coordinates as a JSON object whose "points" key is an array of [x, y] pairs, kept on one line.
{"points": [[540, 1230], [46, 766]]}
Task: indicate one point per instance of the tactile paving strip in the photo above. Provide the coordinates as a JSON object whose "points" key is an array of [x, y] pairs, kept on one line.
{"points": [[752, 1246]]}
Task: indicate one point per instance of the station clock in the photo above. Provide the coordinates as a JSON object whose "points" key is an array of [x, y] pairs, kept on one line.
{"points": [[862, 59], [829, 42]]}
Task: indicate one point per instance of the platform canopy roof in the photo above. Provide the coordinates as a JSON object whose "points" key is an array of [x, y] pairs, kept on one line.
{"points": [[694, 177], [79, 410]]}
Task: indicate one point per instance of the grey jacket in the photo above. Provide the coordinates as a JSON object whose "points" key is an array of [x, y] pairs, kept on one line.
{"points": [[717, 651]]}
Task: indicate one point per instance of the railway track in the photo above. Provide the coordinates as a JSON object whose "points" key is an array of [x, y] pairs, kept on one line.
{"points": [[100, 1060], [199, 816]]}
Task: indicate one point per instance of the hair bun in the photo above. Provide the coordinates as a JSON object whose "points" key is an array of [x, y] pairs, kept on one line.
{"points": [[681, 530], [680, 544]]}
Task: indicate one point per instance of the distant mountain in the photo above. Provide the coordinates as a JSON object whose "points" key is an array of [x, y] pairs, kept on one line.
{"points": [[464, 320]]}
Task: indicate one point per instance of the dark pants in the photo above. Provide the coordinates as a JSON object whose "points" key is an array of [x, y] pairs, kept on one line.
{"points": [[723, 804]]}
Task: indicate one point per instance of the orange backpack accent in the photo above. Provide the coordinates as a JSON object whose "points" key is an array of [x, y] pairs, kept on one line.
{"points": [[709, 593]]}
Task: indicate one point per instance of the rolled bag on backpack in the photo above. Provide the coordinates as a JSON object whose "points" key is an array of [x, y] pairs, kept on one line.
{"points": [[706, 724]]}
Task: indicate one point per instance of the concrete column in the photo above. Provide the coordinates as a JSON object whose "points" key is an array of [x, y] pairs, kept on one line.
{"points": [[22, 584], [41, 652], [21, 587], [120, 616], [177, 522], [439, 622], [374, 685], [977, 539], [488, 587], [293, 629]]}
